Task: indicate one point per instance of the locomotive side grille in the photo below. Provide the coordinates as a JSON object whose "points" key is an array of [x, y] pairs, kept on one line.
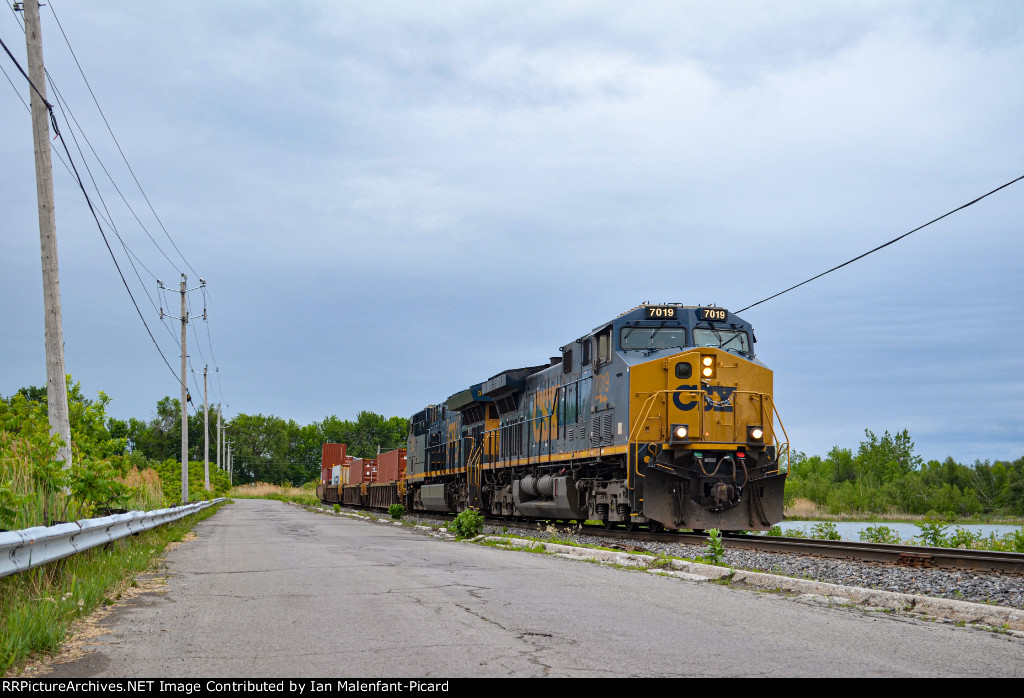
{"points": [[601, 429]]}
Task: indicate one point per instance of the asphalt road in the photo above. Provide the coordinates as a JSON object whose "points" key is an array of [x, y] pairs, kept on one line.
{"points": [[271, 590]]}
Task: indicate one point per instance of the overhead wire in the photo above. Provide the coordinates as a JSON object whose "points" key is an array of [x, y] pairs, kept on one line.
{"points": [[92, 209], [70, 118], [883, 246], [117, 143]]}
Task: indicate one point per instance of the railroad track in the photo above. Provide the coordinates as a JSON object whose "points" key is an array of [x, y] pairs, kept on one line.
{"points": [[906, 555]]}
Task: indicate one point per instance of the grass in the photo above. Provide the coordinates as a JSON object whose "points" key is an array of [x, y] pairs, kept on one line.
{"points": [[39, 605], [264, 490]]}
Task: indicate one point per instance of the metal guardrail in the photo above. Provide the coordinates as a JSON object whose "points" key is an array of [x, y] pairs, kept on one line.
{"points": [[31, 547]]}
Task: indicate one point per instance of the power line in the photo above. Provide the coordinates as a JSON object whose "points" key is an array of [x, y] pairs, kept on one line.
{"points": [[894, 240], [119, 150], [78, 179], [71, 119]]}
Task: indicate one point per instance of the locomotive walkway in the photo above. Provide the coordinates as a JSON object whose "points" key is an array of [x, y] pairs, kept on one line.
{"points": [[271, 590]]}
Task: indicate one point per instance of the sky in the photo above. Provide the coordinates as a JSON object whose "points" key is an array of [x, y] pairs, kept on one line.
{"points": [[391, 201]]}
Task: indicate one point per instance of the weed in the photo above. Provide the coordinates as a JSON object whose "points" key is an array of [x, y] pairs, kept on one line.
{"points": [[825, 530], [397, 511], [467, 523], [337, 508], [933, 533], [880, 534], [715, 550]]}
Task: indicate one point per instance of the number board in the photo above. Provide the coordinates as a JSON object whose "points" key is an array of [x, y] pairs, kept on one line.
{"points": [[713, 314], [660, 312]]}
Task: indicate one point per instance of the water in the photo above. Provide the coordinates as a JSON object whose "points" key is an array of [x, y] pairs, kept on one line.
{"points": [[850, 530]]}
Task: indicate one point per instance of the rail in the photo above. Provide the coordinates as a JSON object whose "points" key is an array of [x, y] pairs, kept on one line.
{"points": [[31, 547], [861, 551]]}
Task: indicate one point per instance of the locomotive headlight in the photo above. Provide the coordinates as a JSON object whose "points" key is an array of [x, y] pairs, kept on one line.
{"points": [[707, 366], [679, 432], [755, 434]]}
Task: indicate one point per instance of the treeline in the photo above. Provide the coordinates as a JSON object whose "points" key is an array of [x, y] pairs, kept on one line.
{"points": [[264, 448], [113, 458], [886, 476]]}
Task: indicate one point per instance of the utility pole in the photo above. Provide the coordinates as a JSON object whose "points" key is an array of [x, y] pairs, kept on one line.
{"points": [[218, 435], [184, 378], [206, 432], [56, 385], [231, 464]]}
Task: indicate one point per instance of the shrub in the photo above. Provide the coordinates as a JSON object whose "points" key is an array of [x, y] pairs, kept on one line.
{"points": [[397, 511], [933, 533], [825, 530], [467, 524], [962, 538], [337, 508], [775, 531], [880, 534]]}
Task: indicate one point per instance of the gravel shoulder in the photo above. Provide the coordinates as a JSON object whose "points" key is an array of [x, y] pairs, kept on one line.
{"points": [[992, 589]]}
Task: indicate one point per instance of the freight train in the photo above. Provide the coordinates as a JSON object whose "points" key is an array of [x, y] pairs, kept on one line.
{"points": [[661, 418]]}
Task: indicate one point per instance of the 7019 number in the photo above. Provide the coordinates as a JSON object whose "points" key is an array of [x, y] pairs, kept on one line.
{"points": [[713, 314]]}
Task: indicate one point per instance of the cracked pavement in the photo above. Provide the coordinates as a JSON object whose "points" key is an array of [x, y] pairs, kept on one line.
{"points": [[271, 590]]}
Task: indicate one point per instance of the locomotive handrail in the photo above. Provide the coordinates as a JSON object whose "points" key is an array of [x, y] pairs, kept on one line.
{"points": [[779, 445], [645, 410]]}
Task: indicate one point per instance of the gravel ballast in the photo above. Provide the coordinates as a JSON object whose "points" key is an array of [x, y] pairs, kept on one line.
{"points": [[978, 587]]}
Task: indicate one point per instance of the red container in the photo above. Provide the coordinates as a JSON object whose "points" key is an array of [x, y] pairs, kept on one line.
{"points": [[357, 472], [370, 470], [333, 454], [391, 466]]}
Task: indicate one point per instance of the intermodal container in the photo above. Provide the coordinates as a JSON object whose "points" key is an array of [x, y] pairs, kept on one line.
{"points": [[391, 466], [333, 454], [357, 471]]}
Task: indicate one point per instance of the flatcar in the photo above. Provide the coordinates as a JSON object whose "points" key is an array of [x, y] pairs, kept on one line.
{"points": [[661, 418]]}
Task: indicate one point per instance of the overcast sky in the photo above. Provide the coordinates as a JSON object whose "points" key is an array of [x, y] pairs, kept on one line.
{"points": [[393, 200]]}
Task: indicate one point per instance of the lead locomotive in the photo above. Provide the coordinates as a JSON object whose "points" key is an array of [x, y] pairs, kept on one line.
{"points": [[662, 417]]}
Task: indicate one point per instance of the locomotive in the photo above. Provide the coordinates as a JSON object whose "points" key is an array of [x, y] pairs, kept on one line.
{"points": [[662, 418]]}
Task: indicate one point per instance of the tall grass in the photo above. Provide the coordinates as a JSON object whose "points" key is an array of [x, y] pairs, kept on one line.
{"points": [[283, 493], [30, 498]]}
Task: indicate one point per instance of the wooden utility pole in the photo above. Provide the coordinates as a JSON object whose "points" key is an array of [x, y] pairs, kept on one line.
{"points": [[184, 397], [184, 380], [218, 435], [56, 385], [206, 432]]}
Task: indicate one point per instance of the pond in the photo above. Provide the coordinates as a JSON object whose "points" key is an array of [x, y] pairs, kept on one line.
{"points": [[850, 530]]}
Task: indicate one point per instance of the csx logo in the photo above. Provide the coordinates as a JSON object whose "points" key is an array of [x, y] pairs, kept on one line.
{"points": [[720, 401]]}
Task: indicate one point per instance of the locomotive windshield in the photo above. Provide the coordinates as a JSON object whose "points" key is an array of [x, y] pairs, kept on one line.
{"points": [[731, 340], [648, 338]]}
